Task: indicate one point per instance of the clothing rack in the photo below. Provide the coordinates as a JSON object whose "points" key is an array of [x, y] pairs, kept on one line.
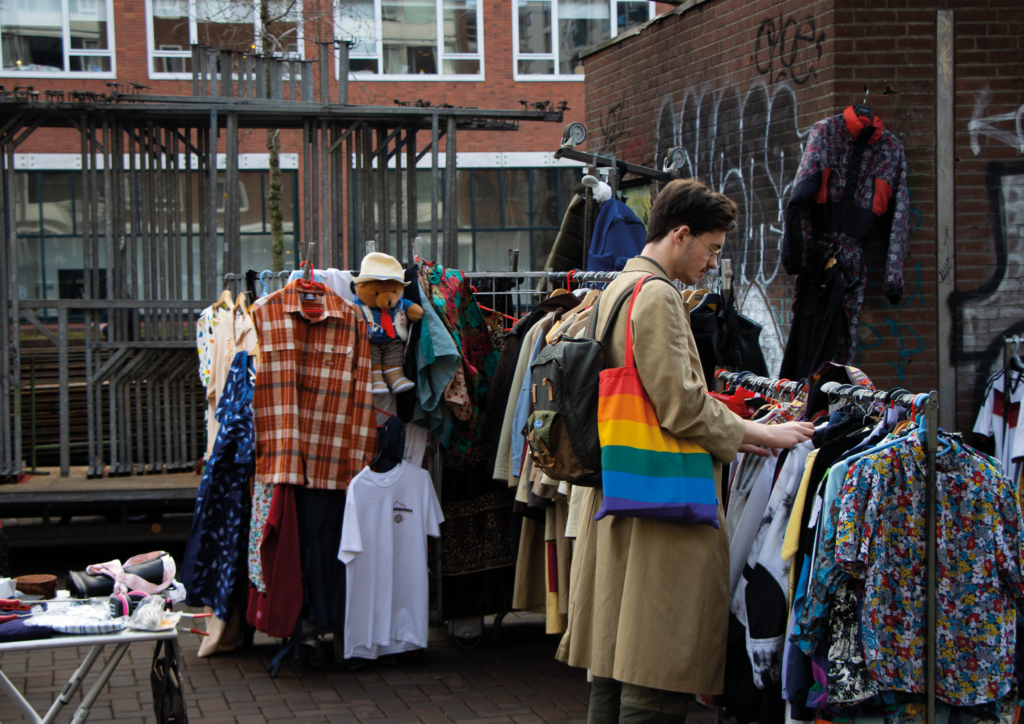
{"points": [[899, 396], [757, 384]]}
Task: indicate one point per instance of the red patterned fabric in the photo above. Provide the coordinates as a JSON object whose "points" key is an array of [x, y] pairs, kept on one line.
{"points": [[312, 402]]}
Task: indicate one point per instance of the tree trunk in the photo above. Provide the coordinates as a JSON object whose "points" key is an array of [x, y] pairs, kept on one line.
{"points": [[274, 148], [274, 202]]}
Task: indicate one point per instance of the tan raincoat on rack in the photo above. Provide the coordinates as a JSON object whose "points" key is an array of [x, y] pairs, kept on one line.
{"points": [[649, 601]]}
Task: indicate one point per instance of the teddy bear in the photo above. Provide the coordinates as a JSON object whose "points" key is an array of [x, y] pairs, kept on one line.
{"points": [[388, 314]]}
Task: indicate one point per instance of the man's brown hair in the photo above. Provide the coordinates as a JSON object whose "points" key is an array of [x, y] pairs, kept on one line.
{"points": [[693, 203]]}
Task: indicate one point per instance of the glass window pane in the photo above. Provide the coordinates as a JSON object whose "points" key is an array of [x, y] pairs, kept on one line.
{"points": [[516, 197], [460, 66], [89, 63], [492, 249], [88, 24], [535, 26], [32, 36], [358, 24], [536, 67], [225, 24], [486, 192], [543, 242], [362, 65], [409, 29], [545, 198], [630, 14], [572, 184], [283, 31], [460, 26], [581, 24], [423, 201], [170, 25]]}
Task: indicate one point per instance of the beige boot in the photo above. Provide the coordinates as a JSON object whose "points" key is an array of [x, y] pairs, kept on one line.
{"points": [[377, 378], [397, 380]]}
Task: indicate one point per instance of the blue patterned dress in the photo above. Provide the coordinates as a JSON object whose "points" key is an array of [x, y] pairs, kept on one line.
{"points": [[218, 541]]}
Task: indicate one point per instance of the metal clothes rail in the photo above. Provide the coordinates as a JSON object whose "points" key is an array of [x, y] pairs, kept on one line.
{"points": [[858, 394]]}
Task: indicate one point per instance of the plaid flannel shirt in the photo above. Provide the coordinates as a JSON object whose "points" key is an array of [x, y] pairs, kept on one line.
{"points": [[312, 403]]}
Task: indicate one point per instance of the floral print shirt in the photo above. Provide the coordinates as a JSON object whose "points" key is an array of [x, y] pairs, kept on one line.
{"points": [[880, 538], [208, 321]]}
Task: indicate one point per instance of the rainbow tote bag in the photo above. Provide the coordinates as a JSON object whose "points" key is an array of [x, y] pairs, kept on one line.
{"points": [[646, 472]]}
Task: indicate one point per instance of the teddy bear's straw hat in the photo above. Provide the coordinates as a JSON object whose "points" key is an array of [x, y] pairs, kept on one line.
{"points": [[380, 267]]}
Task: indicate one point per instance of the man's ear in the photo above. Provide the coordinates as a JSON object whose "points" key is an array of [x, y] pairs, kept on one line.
{"points": [[681, 233]]}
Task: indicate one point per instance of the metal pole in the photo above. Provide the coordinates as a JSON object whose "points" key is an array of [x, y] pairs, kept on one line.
{"points": [[383, 212], [435, 180], [343, 70], [410, 163], [451, 200], [945, 212], [930, 659], [65, 414], [326, 196]]}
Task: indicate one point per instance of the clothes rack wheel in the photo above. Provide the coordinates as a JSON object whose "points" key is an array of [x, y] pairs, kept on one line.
{"points": [[312, 654]]}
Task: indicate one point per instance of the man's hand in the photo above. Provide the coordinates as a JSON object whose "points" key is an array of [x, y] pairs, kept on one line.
{"points": [[782, 436], [759, 451]]}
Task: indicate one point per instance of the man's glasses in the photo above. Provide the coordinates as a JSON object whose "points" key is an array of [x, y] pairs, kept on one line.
{"points": [[714, 252]]}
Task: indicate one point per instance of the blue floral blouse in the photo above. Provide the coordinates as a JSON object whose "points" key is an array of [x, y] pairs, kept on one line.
{"points": [[220, 526]]}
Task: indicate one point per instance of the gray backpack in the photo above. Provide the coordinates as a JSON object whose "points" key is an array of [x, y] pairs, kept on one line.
{"points": [[562, 429]]}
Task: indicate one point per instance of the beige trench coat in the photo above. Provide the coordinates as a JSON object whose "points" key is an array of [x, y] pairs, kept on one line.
{"points": [[649, 601]]}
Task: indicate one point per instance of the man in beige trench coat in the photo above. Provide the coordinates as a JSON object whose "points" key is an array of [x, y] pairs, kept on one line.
{"points": [[649, 601]]}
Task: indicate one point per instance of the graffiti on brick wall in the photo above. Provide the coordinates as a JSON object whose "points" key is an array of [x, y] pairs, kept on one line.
{"points": [[788, 49], [613, 127], [1006, 128], [908, 341], [747, 144], [995, 308]]}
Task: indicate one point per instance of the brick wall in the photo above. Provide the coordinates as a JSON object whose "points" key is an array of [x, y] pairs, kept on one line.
{"points": [[891, 45], [736, 84], [709, 81]]}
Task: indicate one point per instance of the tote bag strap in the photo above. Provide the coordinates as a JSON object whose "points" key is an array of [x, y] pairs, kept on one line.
{"points": [[630, 362]]}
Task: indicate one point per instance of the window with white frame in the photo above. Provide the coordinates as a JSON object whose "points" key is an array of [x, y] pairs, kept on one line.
{"points": [[395, 39], [173, 26], [48, 38], [549, 35]]}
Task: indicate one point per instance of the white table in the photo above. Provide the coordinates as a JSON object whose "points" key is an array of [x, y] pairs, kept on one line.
{"points": [[121, 639]]}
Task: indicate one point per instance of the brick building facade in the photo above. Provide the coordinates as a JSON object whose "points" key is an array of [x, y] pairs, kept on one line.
{"points": [[512, 191], [737, 85]]}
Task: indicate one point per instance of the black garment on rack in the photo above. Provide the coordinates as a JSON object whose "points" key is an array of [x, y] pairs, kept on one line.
{"points": [[390, 445], [320, 513], [567, 251], [817, 322], [406, 401], [726, 338]]}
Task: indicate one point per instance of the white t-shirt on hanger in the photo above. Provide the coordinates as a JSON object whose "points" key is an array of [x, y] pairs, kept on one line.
{"points": [[999, 415], [388, 517]]}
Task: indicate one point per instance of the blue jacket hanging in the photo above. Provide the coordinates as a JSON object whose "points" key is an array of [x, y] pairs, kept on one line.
{"points": [[619, 235]]}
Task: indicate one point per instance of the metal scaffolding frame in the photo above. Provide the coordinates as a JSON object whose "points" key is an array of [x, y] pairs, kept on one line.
{"points": [[151, 258]]}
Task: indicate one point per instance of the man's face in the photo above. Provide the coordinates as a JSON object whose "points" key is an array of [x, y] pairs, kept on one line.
{"points": [[695, 254]]}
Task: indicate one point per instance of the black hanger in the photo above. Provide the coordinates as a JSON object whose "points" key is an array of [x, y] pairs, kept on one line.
{"points": [[862, 108]]}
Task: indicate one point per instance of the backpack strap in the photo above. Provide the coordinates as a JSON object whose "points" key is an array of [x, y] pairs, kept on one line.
{"points": [[619, 304]]}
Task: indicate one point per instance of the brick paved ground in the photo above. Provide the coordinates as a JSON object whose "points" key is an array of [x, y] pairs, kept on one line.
{"points": [[518, 683]]}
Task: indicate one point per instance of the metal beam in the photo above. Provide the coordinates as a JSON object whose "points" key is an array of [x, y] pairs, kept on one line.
{"points": [[945, 206]]}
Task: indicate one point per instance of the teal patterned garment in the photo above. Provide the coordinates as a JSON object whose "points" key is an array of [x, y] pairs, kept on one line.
{"points": [[455, 303], [880, 538]]}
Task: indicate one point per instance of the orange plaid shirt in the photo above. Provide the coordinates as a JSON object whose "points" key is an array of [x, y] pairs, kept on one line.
{"points": [[312, 402]]}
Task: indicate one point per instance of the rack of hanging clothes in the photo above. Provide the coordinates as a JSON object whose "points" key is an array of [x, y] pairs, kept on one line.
{"points": [[559, 308], [452, 355], [870, 565], [999, 416]]}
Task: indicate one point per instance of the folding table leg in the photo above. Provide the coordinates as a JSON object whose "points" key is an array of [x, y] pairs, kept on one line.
{"points": [[104, 676], [73, 684], [12, 691]]}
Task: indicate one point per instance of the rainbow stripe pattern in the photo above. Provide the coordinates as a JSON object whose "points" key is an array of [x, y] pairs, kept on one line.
{"points": [[646, 472]]}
